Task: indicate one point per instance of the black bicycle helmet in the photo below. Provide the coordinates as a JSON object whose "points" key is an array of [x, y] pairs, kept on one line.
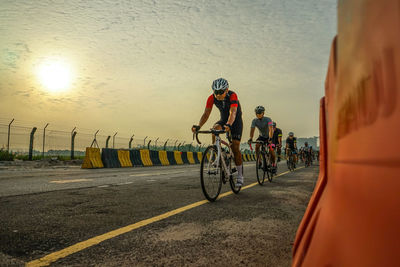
{"points": [[259, 109]]}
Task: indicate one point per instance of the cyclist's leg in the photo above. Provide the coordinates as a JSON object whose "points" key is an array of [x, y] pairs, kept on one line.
{"points": [[236, 131], [272, 155], [257, 149], [236, 152], [217, 126], [258, 145], [279, 152]]}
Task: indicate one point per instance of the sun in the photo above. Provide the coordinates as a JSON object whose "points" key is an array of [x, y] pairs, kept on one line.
{"points": [[55, 75]]}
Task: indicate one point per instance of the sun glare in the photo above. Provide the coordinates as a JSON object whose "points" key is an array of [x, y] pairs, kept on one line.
{"points": [[54, 75]]}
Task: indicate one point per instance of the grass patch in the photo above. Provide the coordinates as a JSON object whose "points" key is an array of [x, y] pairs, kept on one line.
{"points": [[6, 156]]}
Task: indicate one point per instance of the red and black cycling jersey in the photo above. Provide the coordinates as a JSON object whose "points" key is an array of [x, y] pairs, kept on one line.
{"points": [[231, 100]]}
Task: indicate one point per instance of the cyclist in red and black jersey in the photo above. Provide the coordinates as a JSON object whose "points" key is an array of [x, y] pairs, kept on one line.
{"points": [[231, 118]]}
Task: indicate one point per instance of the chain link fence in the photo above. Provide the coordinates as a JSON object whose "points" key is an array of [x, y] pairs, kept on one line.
{"points": [[49, 142], [15, 137]]}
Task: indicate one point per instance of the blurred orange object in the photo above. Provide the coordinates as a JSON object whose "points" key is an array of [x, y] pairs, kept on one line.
{"points": [[353, 218]]}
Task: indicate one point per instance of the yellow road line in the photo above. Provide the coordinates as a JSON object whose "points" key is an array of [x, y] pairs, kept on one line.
{"points": [[160, 173], [70, 181], [47, 260]]}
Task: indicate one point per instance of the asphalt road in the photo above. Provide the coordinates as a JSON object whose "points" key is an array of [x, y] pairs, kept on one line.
{"points": [[43, 211]]}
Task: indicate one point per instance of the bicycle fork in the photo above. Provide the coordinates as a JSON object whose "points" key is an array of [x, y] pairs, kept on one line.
{"points": [[220, 155]]}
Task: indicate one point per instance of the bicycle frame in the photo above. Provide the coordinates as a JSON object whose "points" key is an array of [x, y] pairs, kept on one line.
{"points": [[218, 142], [264, 148]]}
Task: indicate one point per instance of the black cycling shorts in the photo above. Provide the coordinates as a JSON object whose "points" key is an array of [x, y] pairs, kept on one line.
{"points": [[265, 140], [262, 139], [236, 129]]}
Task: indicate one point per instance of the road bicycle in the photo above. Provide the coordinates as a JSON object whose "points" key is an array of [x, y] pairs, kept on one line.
{"points": [[308, 159], [264, 167], [290, 161], [216, 166]]}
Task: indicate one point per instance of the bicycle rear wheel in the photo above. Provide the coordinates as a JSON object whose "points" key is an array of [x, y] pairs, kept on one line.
{"points": [[232, 179], [260, 169], [210, 175]]}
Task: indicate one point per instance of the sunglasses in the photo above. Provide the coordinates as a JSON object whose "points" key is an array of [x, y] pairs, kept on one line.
{"points": [[219, 92]]}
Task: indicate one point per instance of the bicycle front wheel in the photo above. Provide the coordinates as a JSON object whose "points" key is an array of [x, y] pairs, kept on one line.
{"points": [[260, 168], [290, 164], [210, 174]]}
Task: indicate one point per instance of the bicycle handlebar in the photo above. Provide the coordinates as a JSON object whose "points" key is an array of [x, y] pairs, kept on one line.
{"points": [[212, 131], [260, 142]]}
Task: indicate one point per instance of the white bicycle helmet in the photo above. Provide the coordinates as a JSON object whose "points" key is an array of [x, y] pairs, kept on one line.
{"points": [[220, 84]]}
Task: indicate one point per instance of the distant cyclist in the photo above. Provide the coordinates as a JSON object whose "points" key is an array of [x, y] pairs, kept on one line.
{"points": [[264, 126], [301, 154], [277, 139], [291, 144], [307, 153], [231, 119]]}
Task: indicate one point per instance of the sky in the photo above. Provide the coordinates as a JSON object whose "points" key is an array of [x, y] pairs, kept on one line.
{"points": [[146, 67]]}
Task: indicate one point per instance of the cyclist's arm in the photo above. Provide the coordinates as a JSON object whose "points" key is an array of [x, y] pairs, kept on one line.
{"points": [[233, 109], [207, 110], [206, 115], [280, 140], [232, 115], [252, 129], [271, 130]]}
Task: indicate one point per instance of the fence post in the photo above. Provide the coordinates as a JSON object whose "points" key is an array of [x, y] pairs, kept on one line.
{"points": [[179, 146], [94, 142], [156, 142], [165, 145], [175, 144], [130, 141], [44, 139], [144, 142], [73, 134], [108, 139], [114, 138], [8, 141], [31, 143], [148, 145]]}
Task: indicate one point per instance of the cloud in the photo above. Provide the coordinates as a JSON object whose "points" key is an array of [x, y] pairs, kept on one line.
{"points": [[134, 57]]}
